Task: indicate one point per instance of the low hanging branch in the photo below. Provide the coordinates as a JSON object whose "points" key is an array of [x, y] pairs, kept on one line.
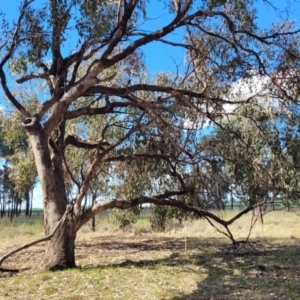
{"points": [[166, 200], [40, 240], [123, 204]]}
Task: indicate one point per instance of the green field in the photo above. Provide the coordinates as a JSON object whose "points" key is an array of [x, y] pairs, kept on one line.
{"points": [[188, 261]]}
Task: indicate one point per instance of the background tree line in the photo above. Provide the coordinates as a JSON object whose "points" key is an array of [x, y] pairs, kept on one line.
{"points": [[17, 172]]}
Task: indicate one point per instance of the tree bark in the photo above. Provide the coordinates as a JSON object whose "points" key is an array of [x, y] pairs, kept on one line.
{"points": [[60, 250]]}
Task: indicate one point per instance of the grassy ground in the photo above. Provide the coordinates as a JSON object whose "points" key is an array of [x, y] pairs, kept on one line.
{"points": [[191, 261]]}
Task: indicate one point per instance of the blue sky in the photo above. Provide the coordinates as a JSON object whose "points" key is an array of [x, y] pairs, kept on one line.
{"points": [[154, 52], [265, 17]]}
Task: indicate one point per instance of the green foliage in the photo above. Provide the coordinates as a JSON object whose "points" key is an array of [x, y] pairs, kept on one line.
{"points": [[212, 4], [162, 216], [123, 218], [159, 218], [17, 174], [256, 162], [20, 158], [94, 18]]}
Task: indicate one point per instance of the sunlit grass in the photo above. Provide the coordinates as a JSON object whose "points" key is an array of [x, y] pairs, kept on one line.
{"points": [[20, 230]]}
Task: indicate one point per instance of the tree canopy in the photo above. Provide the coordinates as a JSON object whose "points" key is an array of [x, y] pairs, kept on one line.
{"points": [[98, 118]]}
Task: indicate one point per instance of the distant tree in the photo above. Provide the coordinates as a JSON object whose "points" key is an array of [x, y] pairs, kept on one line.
{"points": [[16, 180], [145, 140]]}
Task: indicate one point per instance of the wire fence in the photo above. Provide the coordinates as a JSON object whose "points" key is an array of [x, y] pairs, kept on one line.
{"points": [[276, 204]]}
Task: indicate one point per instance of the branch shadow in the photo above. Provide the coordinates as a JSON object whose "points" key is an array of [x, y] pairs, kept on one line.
{"points": [[265, 272]]}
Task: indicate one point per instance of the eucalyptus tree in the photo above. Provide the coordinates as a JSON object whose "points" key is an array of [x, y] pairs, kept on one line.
{"points": [[245, 144], [16, 176], [147, 131]]}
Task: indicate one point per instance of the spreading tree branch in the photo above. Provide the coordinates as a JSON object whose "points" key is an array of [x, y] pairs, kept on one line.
{"points": [[160, 199], [11, 49]]}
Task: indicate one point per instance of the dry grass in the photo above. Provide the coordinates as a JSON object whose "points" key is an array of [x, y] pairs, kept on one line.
{"points": [[190, 261]]}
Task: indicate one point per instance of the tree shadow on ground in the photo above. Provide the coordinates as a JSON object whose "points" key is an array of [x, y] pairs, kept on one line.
{"points": [[245, 273], [270, 270], [265, 271]]}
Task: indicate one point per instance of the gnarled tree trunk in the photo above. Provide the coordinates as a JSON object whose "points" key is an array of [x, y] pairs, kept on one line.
{"points": [[60, 250]]}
